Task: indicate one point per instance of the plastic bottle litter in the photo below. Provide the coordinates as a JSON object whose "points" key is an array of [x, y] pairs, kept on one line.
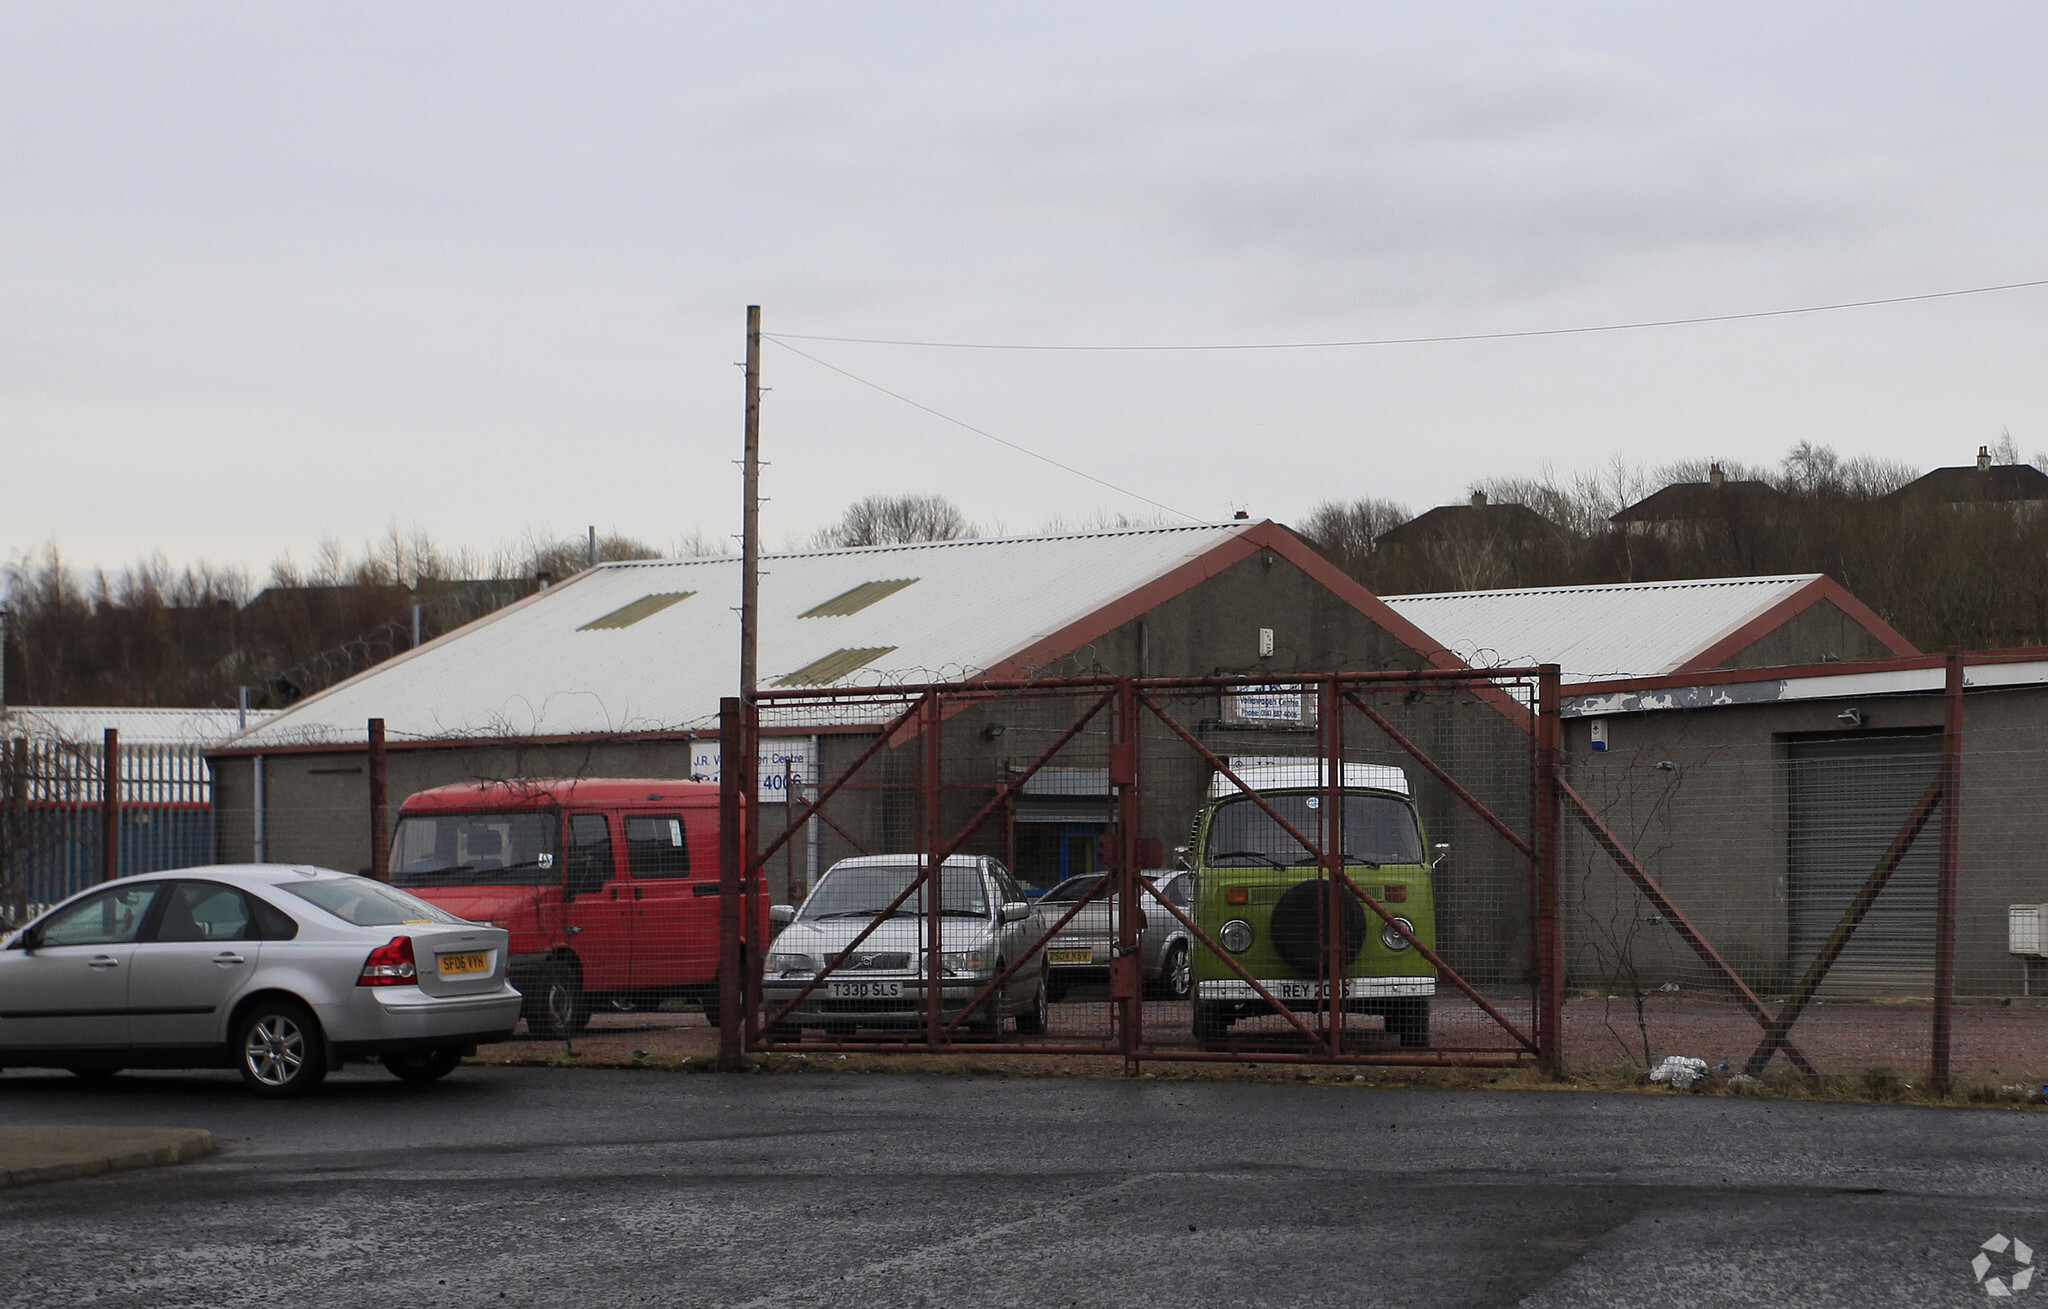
{"points": [[1680, 1071]]}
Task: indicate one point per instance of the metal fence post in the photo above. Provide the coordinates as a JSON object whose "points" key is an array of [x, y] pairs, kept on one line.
{"points": [[1945, 886], [380, 807], [1126, 974], [932, 723], [1549, 913], [110, 806], [1330, 720], [731, 852]]}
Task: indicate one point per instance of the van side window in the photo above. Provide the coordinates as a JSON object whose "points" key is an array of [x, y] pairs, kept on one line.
{"points": [[590, 848], [657, 845]]}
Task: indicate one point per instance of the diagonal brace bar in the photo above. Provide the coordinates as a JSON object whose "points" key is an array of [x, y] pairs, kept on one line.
{"points": [[1654, 893], [1852, 918], [1437, 771], [1435, 960]]}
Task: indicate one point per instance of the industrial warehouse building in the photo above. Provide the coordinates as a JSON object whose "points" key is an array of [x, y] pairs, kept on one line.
{"points": [[1761, 821], [619, 671]]}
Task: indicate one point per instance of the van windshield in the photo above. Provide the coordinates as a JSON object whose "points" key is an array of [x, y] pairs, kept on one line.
{"points": [[864, 890], [476, 849], [1378, 829]]}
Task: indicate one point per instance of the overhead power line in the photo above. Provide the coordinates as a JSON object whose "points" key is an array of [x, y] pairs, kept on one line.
{"points": [[1023, 450], [782, 337]]}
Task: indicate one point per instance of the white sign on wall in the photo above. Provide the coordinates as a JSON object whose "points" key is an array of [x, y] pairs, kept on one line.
{"points": [[1270, 704], [780, 761]]}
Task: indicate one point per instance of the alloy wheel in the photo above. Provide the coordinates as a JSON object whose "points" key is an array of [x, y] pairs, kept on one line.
{"points": [[275, 1050]]}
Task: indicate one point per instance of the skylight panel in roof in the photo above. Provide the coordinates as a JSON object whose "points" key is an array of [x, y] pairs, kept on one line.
{"points": [[859, 598], [824, 672], [645, 607]]}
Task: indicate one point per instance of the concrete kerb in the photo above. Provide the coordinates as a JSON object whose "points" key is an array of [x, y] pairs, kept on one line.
{"points": [[57, 1154]]}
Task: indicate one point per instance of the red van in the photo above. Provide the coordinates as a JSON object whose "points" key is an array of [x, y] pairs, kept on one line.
{"points": [[609, 886]]}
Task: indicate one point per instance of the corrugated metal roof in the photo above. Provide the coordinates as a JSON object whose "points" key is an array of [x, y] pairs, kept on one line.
{"points": [[136, 726], [531, 669], [1637, 629]]}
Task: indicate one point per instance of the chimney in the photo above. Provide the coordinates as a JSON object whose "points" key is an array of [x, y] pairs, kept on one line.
{"points": [[1983, 458], [1479, 499], [1714, 476]]}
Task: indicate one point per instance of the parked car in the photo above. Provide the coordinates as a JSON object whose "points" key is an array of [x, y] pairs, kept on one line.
{"points": [[608, 886], [283, 972], [1080, 951], [985, 923], [1259, 897]]}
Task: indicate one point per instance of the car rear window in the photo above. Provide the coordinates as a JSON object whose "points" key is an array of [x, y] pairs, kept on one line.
{"points": [[366, 903]]}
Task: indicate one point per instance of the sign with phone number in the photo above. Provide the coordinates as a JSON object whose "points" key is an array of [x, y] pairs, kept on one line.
{"points": [[782, 761]]}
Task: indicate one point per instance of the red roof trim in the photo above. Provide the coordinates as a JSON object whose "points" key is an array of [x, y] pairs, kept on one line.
{"points": [[1793, 672], [1264, 535], [464, 742], [1807, 596]]}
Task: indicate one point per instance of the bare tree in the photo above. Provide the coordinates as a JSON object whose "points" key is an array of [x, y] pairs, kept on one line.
{"points": [[1345, 529], [896, 520]]}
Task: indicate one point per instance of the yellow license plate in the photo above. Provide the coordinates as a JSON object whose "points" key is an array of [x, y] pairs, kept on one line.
{"points": [[1069, 956], [454, 965]]}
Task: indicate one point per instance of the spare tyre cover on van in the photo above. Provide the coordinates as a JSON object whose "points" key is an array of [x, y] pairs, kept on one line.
{"points": [[1297, 924]]}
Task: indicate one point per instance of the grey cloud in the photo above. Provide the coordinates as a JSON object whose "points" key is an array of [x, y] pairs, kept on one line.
{"points": [[1385, 173]]}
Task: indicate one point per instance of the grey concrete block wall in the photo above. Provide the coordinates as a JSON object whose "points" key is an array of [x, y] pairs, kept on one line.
{"points": [[1713, 830]]}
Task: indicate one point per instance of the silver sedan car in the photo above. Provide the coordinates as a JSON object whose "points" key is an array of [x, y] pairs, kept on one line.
{"points": [[283, 972], [985, 925], [1080, 951]]}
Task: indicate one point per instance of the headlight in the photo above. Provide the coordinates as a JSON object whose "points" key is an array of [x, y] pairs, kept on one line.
{"points": [[963, 961], [792, 963], [1236, 936], [1392, 939]]}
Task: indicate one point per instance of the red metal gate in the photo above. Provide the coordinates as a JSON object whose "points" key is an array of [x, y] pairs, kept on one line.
{"points": [[936, 802]]}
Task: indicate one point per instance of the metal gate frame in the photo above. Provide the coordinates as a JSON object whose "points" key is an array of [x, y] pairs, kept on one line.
{"points": [[1944, 797], [1128, 701]]}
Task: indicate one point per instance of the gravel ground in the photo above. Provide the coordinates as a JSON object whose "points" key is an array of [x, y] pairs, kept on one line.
{"points": [[1992, 1044]]}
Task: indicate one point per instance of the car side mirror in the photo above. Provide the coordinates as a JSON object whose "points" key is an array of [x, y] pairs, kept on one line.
{"points": [[1443, 852], [29, 940], [782, 915], [1016, 911]]}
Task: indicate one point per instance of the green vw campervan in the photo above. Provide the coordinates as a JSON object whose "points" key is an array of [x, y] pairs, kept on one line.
{"points": [[1258, 897]]}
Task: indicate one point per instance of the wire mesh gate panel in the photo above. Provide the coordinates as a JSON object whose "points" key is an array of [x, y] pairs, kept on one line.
{"points": [[1340, 868], [1860, 900]]}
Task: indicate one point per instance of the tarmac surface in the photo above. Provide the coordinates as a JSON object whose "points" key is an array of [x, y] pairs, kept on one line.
{"points": [[531, 1186]]}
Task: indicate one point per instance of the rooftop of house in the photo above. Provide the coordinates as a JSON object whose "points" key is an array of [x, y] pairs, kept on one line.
{"points": [[1475, 519]]}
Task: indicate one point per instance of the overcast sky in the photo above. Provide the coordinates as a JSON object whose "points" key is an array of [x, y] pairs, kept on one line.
{"points": [[273, 273]]}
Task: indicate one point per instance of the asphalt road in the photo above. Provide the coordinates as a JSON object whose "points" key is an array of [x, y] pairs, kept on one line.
{"points": [[510, 1186]]}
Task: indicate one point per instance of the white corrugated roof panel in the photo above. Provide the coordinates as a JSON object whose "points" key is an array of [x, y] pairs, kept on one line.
{"points": [[1636, 629], [137, 726], [614, 650]]}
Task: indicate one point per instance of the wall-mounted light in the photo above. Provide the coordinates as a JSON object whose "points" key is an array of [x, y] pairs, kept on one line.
{"points": [[1853, 717], [992, 730]]}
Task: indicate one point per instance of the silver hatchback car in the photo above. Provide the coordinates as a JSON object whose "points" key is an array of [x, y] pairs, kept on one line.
{"points": [[1080, 951], [284, 972]]}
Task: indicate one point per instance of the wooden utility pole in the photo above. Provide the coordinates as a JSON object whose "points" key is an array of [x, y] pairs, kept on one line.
{"points": [[750, 521]]}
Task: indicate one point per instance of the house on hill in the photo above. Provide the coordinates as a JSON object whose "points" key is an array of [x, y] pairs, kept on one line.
{"points": [[1690, 506], [1478, 544], [1980, 483], [1477, 519]]}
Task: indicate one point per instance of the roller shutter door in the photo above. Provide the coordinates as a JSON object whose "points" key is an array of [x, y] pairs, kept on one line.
{"points": [[1846, 801]]}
